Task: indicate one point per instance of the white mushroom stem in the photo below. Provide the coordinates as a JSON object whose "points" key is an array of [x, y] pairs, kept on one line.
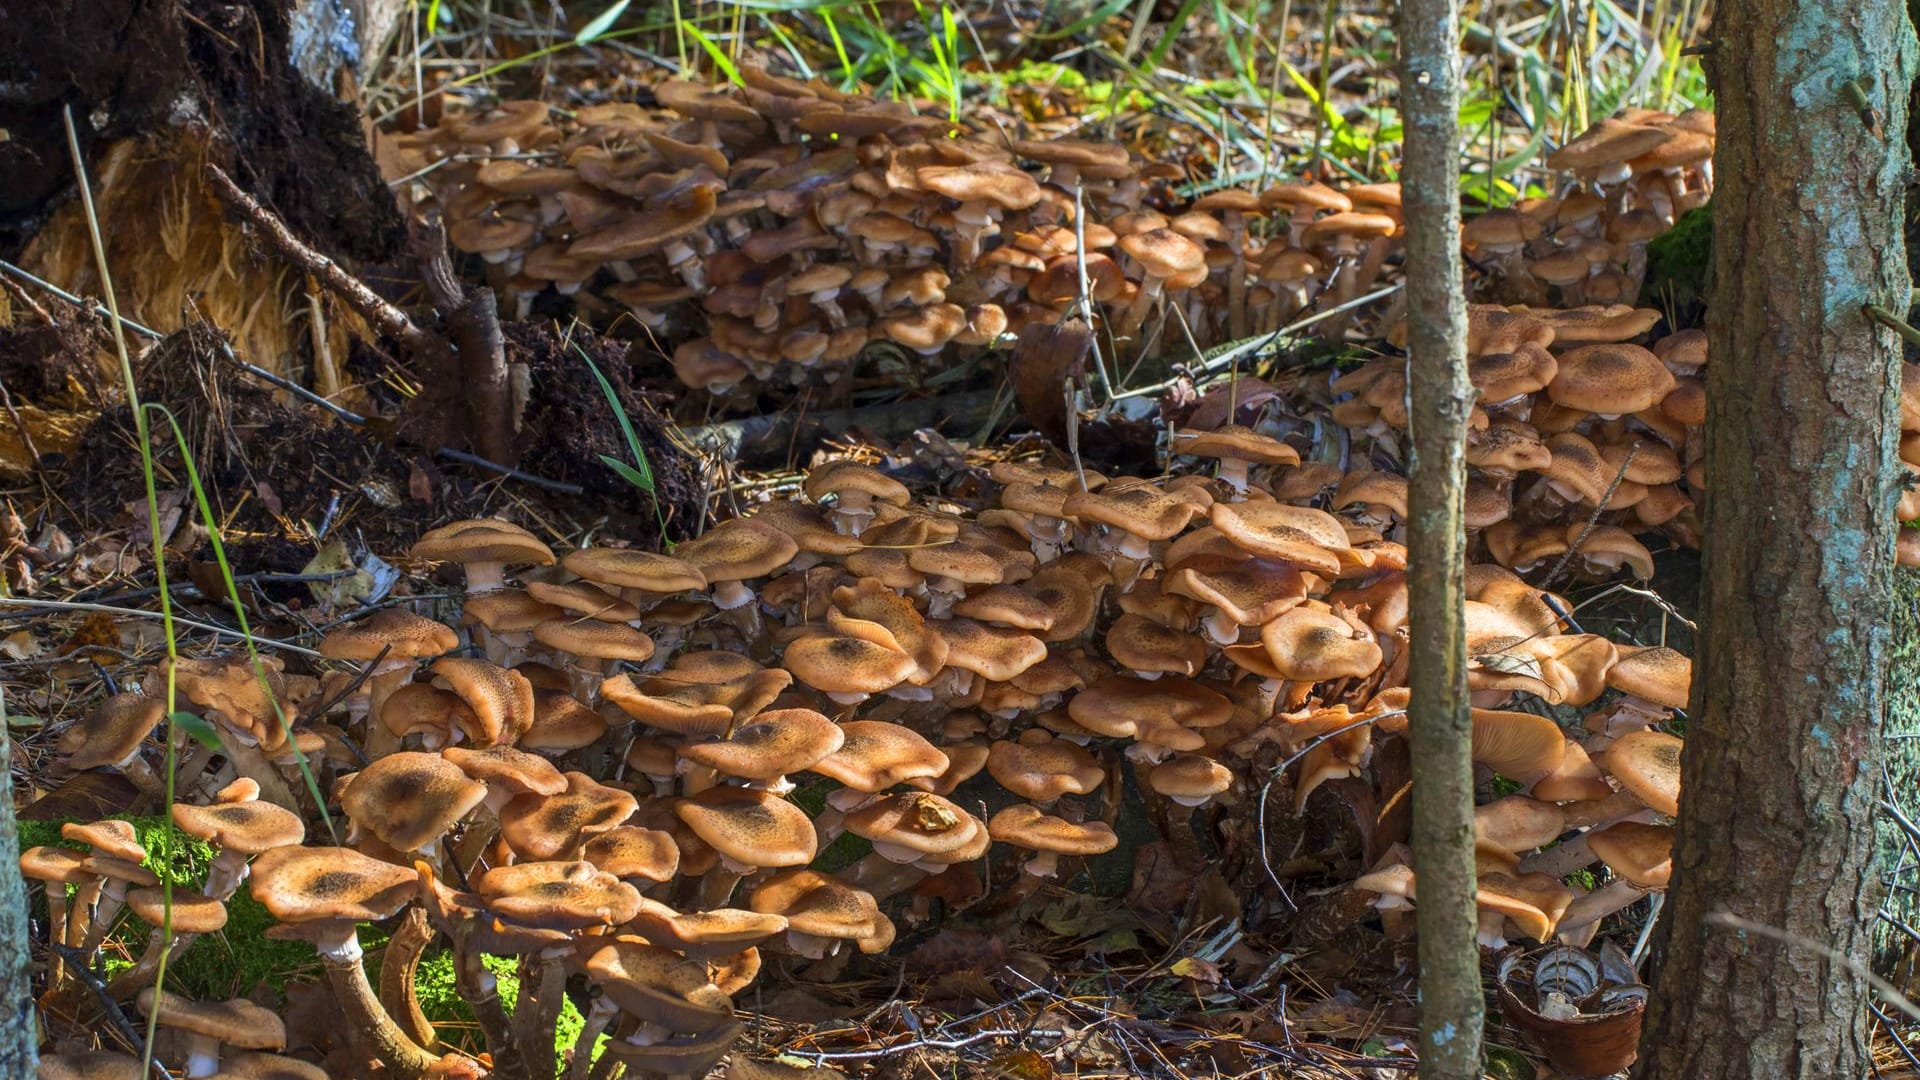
{"points": [[1233, 472], [112, 899], [368, 1026], [851, 512], [599, 1015], [1600, 903], [486, 577], [942, 594], [811, 946], [1221, 628], [683, 260], [224, 875], [203, 1054], [1492, 932], [1143, 302]]}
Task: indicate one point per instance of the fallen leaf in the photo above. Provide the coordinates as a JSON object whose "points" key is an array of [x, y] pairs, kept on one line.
{"points": [[1046, 359], [1200, 971]]}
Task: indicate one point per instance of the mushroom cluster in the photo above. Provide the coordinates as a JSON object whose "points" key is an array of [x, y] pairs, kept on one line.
{"points": [[1632, 176], [623, 765], [772, 230], [1581, 438]]}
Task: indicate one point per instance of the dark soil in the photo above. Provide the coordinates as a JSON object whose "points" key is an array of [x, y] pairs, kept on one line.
{"points": [[127, 67], [51, 366], [273, 467], [569, 426]]}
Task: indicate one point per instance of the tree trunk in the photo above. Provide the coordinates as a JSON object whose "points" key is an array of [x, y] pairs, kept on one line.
{"points": [[19, 1030], [1452, 1005], [1781, 772]]}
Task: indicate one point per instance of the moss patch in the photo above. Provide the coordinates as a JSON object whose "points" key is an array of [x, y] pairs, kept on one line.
{"points": [[1678, 265]]}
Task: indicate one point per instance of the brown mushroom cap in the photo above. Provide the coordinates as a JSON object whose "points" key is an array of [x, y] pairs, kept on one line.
{"points": [[501, 699], [546, 826], [658, 985], [750, 827], [408, 800], [998, 653], [561, 722], [1301, 536], [93, 1065], [704, 934], [1145, 646], [54, 865], [401, 633], [1190, 779], [238, 1022], [1609, 142], [845, 477], [1122, 706], [1609, 379], [630, 852], [1655, 673], [1310, 645], [1042, 768], [584, 598], [740, 549], [1136, 507], [1027, 826], [875, 755], [908, 825], [482, 540], [837, 664], [505, 768], [594, 639], [1517, 824], [250, 827], [824, 907], [113, 732], [307, 884], [233, 691], [770, 745], [625, 568], [258, 1066], [1640, 852], [686, 702], [1647, 764], [1235, 441], [193, 913], [557, 895], [109, 837]]}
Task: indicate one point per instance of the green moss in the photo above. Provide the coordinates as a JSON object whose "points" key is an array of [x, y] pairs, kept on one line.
{"points": [[1678, 265]]}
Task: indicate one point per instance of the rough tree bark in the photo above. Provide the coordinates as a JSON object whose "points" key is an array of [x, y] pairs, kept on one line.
{"points": [[1781, 771], [1452, 1005]]}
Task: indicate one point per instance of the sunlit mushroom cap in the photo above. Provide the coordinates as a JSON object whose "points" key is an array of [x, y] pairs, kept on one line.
{"points": [[738, 550], [193, 913], [816, 904], [1027, 826], [1517, 745], [1311, 645], [1301, 536], [110, 837], [630, 852], [624, 568], [1122, 706], [875, 755], [770, 745], [687, 702], [837, 664], [548, 826], [1042, 768], [909, 825], [401, 633], [703, 934], [1610, 379], [845, 476], [1190, 779], [233, 691], [1608, 142], [1647, 764], [750, 827], [482, 540], [1234, 441], [307, 884], [1137, 507], [1143, 645], [1517, 824], [408, 800], [54, 865], [1656, 673], [250, 827], [501, 699], [1534, 903], [561, 722], [557, 895], [503, 767]]}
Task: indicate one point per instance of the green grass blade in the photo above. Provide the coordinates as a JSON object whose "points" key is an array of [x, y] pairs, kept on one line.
{"points": [[716, 54], [600, 24]]}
